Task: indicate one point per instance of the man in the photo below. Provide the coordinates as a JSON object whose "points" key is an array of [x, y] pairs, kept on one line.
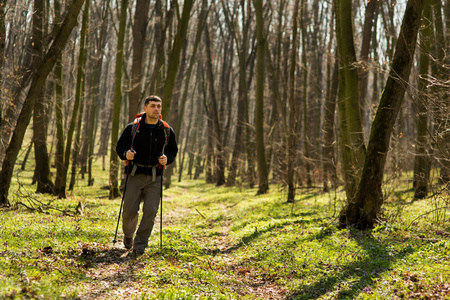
{"points": [[149, 145]]}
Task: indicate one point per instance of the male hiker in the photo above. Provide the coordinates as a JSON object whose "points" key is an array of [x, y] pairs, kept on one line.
{"points": [[148, 144]]}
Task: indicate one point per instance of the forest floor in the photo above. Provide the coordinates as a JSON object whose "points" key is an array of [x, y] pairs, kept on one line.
{"points": [[224, 243]]}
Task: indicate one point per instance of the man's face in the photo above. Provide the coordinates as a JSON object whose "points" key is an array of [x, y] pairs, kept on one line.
{"points": [[153, 109]]}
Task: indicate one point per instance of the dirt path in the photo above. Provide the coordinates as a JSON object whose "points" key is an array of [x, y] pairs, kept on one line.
{"points": [[114, 274]]}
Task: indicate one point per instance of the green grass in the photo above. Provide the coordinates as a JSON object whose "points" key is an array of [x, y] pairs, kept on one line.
{"points": [[224, 243]]}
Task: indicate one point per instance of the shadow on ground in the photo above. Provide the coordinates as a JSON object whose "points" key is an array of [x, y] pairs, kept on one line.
{"points": [[366, 271]]}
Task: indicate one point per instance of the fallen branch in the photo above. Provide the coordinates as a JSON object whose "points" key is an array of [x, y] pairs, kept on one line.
{"points": [[38, 206]]}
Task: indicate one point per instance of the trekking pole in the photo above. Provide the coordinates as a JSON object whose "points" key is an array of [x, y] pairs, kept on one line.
{"points": [[121, 205], [120, 210], [160, 221], [133, 134], [161, 195]]}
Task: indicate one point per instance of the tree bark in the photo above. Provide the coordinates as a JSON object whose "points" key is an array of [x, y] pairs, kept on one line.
{"points": [[42, 171], [293, 111], [442, 47], [350, 126], [328, 153], [59, 187], [11, 108], [263, 176], [276, 81], [422, 162], [214, 114], [160, 39], [363, 69], [2, 51], [96, 81], [80, 93], [174, 58], [175, 114], [38, 80], [178, 121], [114, 160], [139, 35], [308, 110], [242, 89], [363, 209]]}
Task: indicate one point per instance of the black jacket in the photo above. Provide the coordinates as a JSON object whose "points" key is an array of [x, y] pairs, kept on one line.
{"points": [[148, 144]]}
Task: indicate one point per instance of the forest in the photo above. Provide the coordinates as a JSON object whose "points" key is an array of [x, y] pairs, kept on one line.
{"points": [[347, 99], [296, 93]]}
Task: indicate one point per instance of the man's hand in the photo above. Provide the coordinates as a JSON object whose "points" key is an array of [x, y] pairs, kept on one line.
{"points": [[130, 154], [162, 160]]}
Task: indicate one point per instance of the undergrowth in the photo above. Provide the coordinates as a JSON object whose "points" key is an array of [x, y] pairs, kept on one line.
{"points": [[224, 243]]}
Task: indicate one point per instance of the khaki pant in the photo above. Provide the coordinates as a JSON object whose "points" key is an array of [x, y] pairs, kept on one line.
{"points": [[140, 188]]}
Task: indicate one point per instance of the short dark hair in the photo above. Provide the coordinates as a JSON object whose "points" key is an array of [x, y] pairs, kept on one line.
{"points": [[152, 98]]}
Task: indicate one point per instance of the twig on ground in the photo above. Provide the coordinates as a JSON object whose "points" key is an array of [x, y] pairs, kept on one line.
{"points": [[200, 214]]}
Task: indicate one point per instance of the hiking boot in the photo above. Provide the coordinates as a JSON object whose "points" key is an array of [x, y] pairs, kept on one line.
{"points": [[137, 253], [128, 243]]}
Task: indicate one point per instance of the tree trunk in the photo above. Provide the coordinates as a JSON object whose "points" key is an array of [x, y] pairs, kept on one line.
{"points": [[209, 176], [42, 171], [225, 106], [2, 51], [307, 109], [43, 179], [242, 90], [114, 160], [160, 39], [350, 126], [96, 81], [279, 160], [79, 94], [190, 142], [38, 80], [445, 170], [328, 153], [139, 35], [61, 190], [175, 114], [193, 151], [59, 113], [328, 149], [263, 180], [293, 111], [249, 132], [363, 209], [214, 114], [206, 133], [12, 107], [442, 48], [27, 154], [363, 70], [422, 163], [172, 71], [174, 58]]}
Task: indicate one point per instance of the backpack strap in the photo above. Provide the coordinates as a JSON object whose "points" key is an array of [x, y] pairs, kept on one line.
{"points": [[166, 135], [136, 124], [134, 129]]}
